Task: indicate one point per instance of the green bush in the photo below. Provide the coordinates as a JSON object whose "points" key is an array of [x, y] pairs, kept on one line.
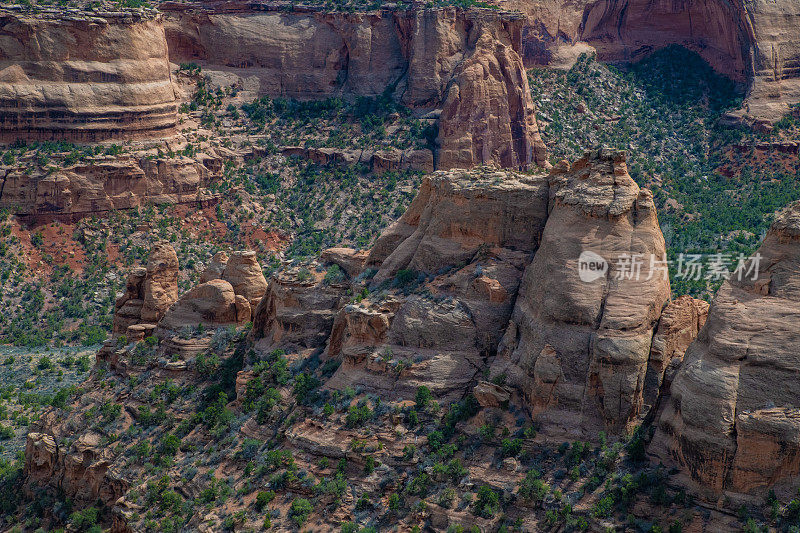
{"points": [[300, 510]]}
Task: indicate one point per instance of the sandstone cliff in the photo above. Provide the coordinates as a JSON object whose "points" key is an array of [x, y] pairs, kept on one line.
{"points": [[106, 184], [751, 41], [578, 348], [732, 422], [461, 64], [84, 77]]}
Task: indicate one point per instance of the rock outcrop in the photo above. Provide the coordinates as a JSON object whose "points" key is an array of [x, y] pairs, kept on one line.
{"points": [[242, 271], [462, 246], [230, 288], [149, 292], [488, 265], [298, 309], [579, 341], [84, 77], [82, 471], [461, 65], [244, 274], [114, 183], [751, 41], [732, 420], [488, 115], [213, 303], [160, 282]]}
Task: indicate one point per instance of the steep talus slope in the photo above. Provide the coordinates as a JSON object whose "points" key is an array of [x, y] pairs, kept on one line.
{"points": [[461, 64], [732, 421], [84, 77], [578, 347]]}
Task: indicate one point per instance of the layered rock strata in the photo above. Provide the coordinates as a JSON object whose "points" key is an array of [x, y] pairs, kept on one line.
{"points": [[732, 420], [115, 183], [83, 469], [584, 355], [84, 77], [461, 65]]}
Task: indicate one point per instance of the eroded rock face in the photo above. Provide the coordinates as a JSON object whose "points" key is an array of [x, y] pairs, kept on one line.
{"points": [[84, 78], [122, 183], [464, 243], [149, 291], [461, 64], [160, 282], [243, 272], [457, 214], [82, 471], [212, 303], [751, 41], [488, 114], [578, 348], [732, 421], [678, 326], [298, 309]]}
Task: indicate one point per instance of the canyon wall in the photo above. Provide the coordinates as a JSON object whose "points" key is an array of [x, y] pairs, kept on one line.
{"points": [[461, 65], [84, 77], [732, 419], [753, 42]]}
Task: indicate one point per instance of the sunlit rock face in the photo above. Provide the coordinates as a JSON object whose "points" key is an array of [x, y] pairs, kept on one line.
{"points": [[84, 77], [732, 420]]}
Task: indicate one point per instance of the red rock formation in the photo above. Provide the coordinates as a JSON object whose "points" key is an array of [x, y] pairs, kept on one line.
{"points": [[213, 303], [462, 63], [149, 292], [121, 183], [488, 115], [732, 420], [577, 349], [84, 78], [82, 471], [297, 310]]}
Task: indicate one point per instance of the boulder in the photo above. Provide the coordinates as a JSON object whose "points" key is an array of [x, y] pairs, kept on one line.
{"points": [[215, 267], [244, 274], [211, 304], [349, 260]]}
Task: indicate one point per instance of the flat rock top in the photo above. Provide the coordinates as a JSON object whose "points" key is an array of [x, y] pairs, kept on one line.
{"points": [[486, 179]]}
